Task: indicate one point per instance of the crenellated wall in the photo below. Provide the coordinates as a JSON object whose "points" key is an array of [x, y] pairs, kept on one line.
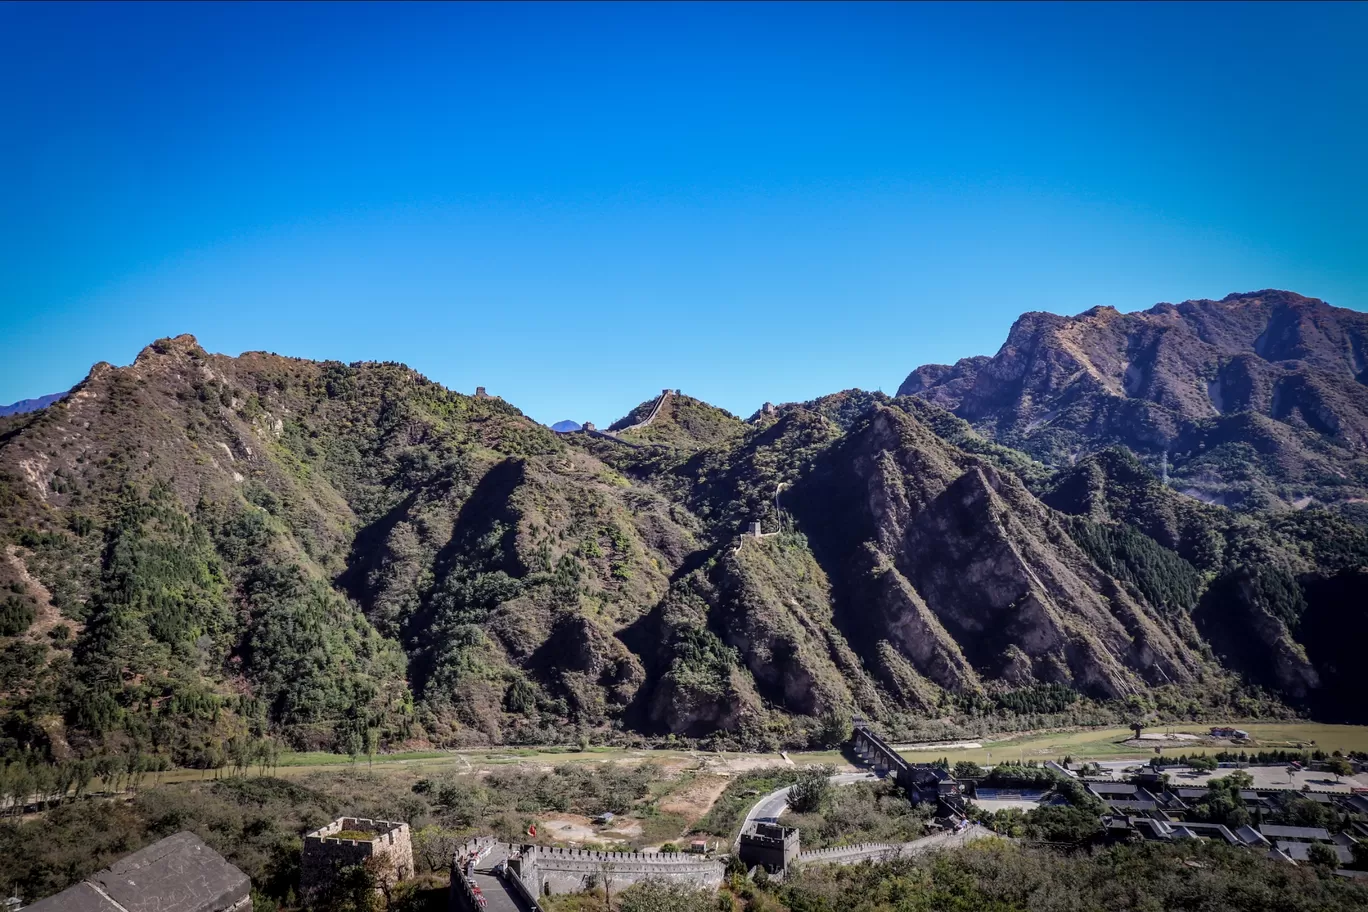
{"points": [[325, 854], [556, 870], [849, 854]]}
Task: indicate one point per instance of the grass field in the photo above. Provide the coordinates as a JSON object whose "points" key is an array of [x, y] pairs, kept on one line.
{"points": [[1089, 744], [300, 764], [1106, 743]]}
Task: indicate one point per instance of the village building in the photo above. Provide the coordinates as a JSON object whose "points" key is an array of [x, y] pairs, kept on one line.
{"points": [[1237, 734]]}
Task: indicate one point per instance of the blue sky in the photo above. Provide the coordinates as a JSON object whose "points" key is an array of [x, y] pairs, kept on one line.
{"points": [[577, 205]]}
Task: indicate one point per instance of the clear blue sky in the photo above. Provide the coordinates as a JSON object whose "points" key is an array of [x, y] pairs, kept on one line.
{"points": [[576, 206]]}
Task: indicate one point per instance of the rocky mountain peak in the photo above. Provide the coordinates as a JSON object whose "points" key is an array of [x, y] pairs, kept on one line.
{"points": [[183, 345], [1171, 382]]}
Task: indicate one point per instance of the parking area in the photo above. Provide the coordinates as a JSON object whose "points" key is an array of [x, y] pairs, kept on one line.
{"points": [[1264, 777], [1003, 804]]}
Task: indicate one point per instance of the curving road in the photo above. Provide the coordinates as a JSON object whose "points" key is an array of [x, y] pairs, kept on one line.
{"points": [[772, 806]]}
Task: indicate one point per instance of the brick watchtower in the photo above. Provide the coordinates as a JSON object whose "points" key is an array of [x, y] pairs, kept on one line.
{"points": [[349, 841]]}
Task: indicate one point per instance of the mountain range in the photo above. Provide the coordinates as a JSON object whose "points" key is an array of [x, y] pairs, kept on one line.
{"points": [[1118, 515], [1257, 400], [29, 405]]}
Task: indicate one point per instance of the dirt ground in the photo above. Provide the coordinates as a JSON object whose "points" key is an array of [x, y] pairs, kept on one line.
{"points": [[730, 764], [938, 745], [1169, 736], [574, 829], [694, 800]]}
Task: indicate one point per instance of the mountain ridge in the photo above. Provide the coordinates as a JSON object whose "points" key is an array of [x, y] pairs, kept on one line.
{"points": [[348, 555], [24, 406], [1259, 397]]}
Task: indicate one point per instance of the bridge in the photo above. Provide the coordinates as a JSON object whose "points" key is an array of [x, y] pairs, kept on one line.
{"points": [[921, 781], [878, 753]]}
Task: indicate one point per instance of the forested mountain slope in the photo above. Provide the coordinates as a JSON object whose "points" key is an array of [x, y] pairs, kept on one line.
{"points": [[201, 550]]}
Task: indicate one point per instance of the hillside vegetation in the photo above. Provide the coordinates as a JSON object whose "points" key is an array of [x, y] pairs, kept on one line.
{"points": [[207, 557]]}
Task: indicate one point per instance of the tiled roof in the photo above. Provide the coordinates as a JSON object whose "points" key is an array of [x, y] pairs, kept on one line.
{"points": [[1273, 831], [178, 874]]}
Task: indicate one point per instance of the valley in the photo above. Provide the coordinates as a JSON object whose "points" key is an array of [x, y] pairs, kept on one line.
{"points": [[669, 457], [212, 561]]}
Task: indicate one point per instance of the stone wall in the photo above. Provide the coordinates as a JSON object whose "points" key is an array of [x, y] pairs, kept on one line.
{"points": [[325, 854], [462, 893], [555, 870], [849, 854]]}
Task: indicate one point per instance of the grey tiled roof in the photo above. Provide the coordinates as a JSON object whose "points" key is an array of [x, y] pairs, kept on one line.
{"points": [[1273, 831], [178, 874]]}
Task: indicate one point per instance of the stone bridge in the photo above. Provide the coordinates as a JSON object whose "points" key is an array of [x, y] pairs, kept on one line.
{"points": [[878, 753]]}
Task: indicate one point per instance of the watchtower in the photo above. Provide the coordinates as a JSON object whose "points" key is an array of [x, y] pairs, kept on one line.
{"points": [[770, 846], [350, 841]]}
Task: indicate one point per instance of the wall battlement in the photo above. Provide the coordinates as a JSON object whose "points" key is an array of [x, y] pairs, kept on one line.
{"points": [[848, 850], [769, 845], [548, 869], [385, 832], [325, 853], [549, 855]]}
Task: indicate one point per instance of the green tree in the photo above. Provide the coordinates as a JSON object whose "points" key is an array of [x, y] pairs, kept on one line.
{"points": [[1340, 767], [968, 769], [661, 896], [811, 789], [1203, 763], [835, 729], [1322, 855]]}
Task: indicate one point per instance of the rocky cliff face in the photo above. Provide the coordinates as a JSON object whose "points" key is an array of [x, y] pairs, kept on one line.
{"points": [[1265, 597], [1253, 399], [969, 577]]}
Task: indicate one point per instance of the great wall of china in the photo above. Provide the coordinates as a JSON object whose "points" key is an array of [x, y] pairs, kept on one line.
{"points": [[557, 870], [588, 426], [491, 876]]}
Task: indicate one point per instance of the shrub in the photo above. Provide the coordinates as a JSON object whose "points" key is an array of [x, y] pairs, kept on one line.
{"points": [[16, 614], [811, 789]]}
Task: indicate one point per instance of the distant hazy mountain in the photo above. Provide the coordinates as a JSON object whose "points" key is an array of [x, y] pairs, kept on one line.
{"points": [[29, 405], [565, 427]]}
